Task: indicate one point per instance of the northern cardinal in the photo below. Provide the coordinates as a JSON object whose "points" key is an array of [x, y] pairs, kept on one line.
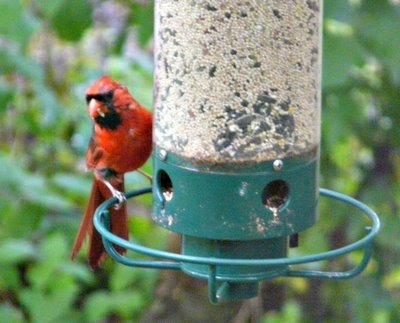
{"points": [[121, 142]]}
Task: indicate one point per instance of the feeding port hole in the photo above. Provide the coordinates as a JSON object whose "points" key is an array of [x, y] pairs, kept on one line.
{"points": [[165, 185], [275, 195]]}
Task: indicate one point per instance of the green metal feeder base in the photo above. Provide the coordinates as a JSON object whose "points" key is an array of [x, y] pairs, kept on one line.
{"points": [[258, 201], [226, 249], [233, 278], [235, 275]]}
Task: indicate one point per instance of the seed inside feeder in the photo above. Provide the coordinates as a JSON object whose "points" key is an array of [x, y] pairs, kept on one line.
{"points": [[237, 81]]}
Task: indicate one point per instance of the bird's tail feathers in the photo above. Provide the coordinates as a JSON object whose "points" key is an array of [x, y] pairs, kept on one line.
{"points": [[118, 224]]}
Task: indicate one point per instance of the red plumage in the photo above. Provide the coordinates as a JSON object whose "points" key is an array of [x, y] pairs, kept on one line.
{"points": [[121, 142]]}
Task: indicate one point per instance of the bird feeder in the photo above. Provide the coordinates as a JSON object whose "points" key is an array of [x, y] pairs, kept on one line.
{"points": [[236, 142]]}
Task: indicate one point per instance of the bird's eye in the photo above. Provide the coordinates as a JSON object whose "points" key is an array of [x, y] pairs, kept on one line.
{"points": [[102, 97], [109, 95]]}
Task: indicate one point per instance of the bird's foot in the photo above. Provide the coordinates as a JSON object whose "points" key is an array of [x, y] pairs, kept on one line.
{"points": [[117, 194], [121, 199]]}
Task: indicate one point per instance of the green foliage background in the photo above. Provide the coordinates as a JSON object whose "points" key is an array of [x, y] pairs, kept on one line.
{"points": [[50, 51]]}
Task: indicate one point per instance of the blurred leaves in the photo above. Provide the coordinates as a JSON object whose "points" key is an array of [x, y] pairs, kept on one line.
{"points": [[344, 53], [70, 18], [376, 30], [291, 313], [103, 303], [49, 54], [16, 24], [13, 251], [359, 145], [143, 17], [8, 313]]}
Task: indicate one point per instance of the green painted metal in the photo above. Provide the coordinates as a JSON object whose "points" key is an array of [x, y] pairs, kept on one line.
{"points": [[231, 211], [235, 249], [229, 277], [221, 289], [212, 202]]}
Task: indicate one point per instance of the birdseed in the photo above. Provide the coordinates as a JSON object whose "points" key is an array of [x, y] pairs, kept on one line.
{"points": [[237, 81]]}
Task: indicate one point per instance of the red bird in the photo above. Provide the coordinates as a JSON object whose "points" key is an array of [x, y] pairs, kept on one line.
{"points": [[121, 142]]}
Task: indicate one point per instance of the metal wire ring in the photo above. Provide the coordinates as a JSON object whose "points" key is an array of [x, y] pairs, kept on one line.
{"points": [[101, 220]]}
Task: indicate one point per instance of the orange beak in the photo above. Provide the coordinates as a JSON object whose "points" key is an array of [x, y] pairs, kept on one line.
{"points": [[96, 109]]}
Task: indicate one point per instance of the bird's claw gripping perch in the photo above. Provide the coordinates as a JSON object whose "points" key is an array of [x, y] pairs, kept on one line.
{"points": [[115, 193], [121, 199]]}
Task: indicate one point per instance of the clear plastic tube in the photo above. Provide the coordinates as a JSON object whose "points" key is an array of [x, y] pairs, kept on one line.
{"points": [[237, 81]]}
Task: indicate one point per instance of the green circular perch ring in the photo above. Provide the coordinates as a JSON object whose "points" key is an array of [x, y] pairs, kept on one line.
{"points": [[175, 261]]}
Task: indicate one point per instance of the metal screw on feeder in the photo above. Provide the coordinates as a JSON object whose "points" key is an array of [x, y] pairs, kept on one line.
{"points": [[237, 134], [278, 165]]}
